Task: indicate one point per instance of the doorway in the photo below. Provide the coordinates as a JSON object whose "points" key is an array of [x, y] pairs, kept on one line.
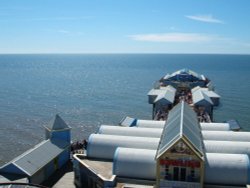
{"points": [[179, 174]]}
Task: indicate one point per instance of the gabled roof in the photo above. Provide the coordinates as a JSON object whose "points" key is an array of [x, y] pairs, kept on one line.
{"points": [[167, 96], [162, 90], [155, 92], [34, 159], [168, 88], [7, 177], [182, 123], [209, 93], [57, 124], [197, 88], [200, 97]]}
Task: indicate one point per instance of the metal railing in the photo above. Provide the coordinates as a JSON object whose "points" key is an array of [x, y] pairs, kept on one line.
{"points": [[20, 185]]}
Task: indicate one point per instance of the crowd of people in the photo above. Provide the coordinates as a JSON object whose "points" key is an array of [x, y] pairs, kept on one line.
{"points": [[203, 117], [161, 115], [79, 147], [185, 96]]}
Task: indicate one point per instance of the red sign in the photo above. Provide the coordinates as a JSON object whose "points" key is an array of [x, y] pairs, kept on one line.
{"points": [[191, 163]]}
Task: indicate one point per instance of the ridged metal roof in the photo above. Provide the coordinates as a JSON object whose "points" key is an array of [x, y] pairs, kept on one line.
{"points": [[200, 97], [182, 122], [34, 159], [167, 96]]}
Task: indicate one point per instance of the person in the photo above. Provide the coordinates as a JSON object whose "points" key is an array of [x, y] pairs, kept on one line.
{"points": [[85, 144]]}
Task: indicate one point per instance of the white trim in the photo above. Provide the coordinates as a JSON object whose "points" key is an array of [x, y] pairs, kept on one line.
{"points": [[182, 116]]}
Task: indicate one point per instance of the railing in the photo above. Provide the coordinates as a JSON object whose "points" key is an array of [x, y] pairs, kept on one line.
{"points": [[20, 185]]}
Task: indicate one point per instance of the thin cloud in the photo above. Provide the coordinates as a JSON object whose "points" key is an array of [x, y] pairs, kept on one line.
{"points": [[173, 37], [49, 19], [204, 18], [63, 31], [59, 19], [71, 33]]}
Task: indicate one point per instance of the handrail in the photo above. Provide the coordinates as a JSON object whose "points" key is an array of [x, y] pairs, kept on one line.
{"points": [[19, 183]]}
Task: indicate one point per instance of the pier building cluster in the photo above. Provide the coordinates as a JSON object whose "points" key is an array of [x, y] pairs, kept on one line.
{"points": [[181, 147]]}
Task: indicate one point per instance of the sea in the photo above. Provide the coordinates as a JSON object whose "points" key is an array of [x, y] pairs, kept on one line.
{"points": [[88, 90]]}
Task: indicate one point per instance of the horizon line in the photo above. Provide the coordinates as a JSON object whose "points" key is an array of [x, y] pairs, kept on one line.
{"points": [[120, 53]]}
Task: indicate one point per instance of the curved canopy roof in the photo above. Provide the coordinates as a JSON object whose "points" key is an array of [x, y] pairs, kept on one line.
{"points": [[189, 74]]}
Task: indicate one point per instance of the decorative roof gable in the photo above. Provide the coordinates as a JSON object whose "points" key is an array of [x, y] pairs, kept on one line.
{"points": [[182, 124]]}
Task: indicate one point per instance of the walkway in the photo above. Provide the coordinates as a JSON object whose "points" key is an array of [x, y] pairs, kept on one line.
{"points": [[63, 178]]}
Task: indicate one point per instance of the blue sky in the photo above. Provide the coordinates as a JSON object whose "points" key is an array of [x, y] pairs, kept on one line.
{"points": [[125, 26]]}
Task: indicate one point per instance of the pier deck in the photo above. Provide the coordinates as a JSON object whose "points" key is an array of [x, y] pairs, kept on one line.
{"points": [[63, 178]]}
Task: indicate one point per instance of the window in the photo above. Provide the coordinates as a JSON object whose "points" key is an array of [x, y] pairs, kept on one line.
{"points": [[167, 175]]}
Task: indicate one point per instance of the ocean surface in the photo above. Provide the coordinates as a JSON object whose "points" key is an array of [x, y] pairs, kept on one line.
{"points": [[90, 90]]}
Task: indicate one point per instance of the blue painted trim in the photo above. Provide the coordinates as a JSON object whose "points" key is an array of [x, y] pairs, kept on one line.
{"points": [[115, 159], [134, 123], [12, 168]]}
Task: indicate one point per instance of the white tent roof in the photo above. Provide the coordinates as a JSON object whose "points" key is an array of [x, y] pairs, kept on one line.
{"points": [[186, 71]]}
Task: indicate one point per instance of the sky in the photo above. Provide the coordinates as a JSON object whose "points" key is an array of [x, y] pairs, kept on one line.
{"points": [[125, 26]]}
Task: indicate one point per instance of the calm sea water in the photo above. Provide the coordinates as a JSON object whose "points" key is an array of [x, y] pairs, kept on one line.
{"points": [[90, 90]]}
